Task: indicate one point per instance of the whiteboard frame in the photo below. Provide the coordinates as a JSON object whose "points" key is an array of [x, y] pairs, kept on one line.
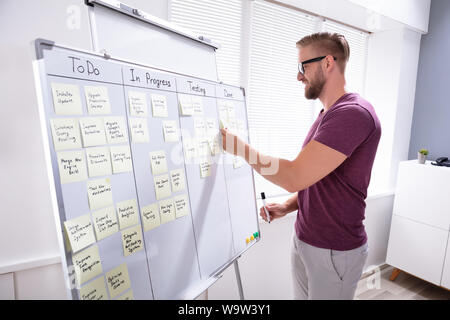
{"points": [[134, 15], [38, 67], [144, 16], [39, 74]]}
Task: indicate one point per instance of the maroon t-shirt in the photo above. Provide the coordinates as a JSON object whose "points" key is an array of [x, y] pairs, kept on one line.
{"points": [[331, 212]]}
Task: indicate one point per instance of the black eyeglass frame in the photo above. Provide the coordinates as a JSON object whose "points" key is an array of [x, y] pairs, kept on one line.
{"points": [[301, 69]]}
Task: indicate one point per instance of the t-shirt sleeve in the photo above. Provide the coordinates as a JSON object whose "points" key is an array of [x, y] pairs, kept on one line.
{"points": [[345, 128]]}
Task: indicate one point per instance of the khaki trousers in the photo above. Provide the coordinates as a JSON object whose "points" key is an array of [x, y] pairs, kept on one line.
{"points": [[325, 274]]}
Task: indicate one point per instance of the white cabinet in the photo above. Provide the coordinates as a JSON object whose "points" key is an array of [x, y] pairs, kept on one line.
{"points": [[423, 193], [418, 241], [446, 273], [417, 248]]}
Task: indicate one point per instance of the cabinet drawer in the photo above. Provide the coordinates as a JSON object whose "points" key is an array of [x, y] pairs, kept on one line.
{"points": [[417, 248], [422, 194], [446, 270]]}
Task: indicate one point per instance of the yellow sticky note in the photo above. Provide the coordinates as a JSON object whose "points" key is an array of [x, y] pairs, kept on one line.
{"points": [[80, 232], [132, 240], [87, 264], [166, 210], [72, 166], [138, 104], [205, 168], [105, 222], [232, 125], [92, 131], [121, 159], [231, 109], [202, 146], [128, 213], [181, 203], [162, 186], [199, 127], [223, 124], [197, 104], [66, 134], [189, 147], [139, 130], [159, 106], [170, 130], [94, 290], [158, 162], [99, 193], [150, 217], [115, 130], [66, 99], [118, 280], [127, 296], [186, 107], [223, 110], [97, 100], [177, 179], [214, 145], [99, 161], [66, 241], [211, 127]]}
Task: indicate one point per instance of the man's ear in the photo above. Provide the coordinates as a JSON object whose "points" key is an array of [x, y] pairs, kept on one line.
{"points": [[329, 62]]}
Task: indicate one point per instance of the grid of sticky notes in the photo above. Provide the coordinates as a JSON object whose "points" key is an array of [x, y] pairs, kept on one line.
{"points": [[166, 183], [205, 140], [138, 108], [83, 233], [168, 206], [95, 146], [87, 146], [228, 119]]}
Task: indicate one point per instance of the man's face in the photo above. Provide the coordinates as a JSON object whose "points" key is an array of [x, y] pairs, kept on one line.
{"points": [[313, 78]]}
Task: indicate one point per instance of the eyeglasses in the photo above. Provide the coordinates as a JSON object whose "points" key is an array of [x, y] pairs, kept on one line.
{"points": [[301, 65]]}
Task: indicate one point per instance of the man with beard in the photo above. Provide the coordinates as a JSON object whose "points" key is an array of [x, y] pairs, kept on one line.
{"points": [[330, 175]]}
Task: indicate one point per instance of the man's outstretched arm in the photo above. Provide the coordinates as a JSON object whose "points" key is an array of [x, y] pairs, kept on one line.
{"points": [[312, 164]]}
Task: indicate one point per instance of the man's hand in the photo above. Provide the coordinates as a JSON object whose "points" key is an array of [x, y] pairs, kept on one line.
{"points": [[276, 210], [232, 143]]}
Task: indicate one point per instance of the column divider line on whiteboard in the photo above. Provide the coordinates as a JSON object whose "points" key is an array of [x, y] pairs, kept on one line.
{"points": [[135, 184], [187, 182], [226, 183]]}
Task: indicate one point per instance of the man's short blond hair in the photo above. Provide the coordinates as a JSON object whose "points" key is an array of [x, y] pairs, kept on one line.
{"points": [[326, 43]]}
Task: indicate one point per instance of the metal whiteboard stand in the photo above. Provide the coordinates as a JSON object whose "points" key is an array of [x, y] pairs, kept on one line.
{"points": [[219, 275], [238, 279]]}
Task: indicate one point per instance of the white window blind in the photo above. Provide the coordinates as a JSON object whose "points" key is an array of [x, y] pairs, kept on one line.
{"points": [[279, 114], [219, 20], [356, 66]]}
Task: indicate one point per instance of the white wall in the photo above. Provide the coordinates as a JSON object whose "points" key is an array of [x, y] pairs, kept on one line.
{"points": [[390, 86], [414, 14], [371, 15], [26, 219]]}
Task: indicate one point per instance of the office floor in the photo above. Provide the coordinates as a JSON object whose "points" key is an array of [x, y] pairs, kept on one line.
{"points": [[405, 287]]}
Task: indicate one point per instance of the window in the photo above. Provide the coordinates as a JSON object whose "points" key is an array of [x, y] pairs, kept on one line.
{"points": [[278, 113], [219, 20], [356, 66]]}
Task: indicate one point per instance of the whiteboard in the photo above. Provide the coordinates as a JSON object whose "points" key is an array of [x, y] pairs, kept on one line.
{"points": [[183, 256]]}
